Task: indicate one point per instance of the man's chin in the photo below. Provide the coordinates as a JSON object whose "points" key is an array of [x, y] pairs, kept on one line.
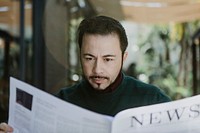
{"points": [[99, 87]]}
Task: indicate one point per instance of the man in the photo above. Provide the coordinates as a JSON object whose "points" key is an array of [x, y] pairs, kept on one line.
{"points": [[105, 89]]}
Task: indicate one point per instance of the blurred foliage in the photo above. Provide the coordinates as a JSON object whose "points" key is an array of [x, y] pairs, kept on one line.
{"points": [[166, 57]]}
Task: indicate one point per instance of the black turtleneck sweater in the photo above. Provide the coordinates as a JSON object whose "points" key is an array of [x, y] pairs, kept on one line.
{"points": [[125, 93]]}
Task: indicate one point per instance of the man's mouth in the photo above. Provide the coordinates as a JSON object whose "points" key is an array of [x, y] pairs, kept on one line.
{"points": [[98, 79]]}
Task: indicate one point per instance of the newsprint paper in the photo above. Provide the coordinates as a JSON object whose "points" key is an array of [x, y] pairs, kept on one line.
{"points": [[34, 111]]}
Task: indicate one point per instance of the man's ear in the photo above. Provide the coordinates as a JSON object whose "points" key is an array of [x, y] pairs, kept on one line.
{"points": [[125, 55]]}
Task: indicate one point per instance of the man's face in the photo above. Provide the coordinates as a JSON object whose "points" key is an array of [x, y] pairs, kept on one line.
{"points": [[101, 59]]}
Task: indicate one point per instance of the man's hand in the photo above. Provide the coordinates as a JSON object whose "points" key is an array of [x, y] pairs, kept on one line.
{"points": [[5, 128]]}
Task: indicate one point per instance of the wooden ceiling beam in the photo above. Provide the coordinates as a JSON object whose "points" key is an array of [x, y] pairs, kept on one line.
{"points": [[168, 2], [179, 13], [12, 14]]}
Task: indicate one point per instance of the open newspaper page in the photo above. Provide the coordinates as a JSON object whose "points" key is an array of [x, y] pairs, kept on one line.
{"points": [[34, 111], [181, 116]]}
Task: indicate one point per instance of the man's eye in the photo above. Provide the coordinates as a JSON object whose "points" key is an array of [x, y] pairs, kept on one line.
{"points": [[88, 58], [108, 59]]}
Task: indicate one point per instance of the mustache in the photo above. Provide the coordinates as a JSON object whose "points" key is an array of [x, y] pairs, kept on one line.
{"points": [[98, 77]]}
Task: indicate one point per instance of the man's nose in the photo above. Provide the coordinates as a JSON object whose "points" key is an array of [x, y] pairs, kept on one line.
{"points": [[98, 66]]}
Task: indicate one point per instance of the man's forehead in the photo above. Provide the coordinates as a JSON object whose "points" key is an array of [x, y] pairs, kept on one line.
{"points": [[97, 39]]}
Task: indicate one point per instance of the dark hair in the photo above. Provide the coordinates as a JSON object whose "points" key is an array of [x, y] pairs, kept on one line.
{"points": [[102, 25]]}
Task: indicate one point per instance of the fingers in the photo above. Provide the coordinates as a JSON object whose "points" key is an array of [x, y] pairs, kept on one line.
{"points": [[4, 128]]}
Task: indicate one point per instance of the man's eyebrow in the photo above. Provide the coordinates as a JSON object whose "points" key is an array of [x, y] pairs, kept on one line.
{"points": [[109, 55], [87, 54]]}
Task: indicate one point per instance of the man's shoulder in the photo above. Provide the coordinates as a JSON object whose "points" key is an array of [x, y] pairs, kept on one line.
{"points": [[66, 92], [137, 84], [148, 90]]}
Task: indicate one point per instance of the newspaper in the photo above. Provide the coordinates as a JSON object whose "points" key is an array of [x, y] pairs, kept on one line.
{"points": [[181, 116], [34, 111]]}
